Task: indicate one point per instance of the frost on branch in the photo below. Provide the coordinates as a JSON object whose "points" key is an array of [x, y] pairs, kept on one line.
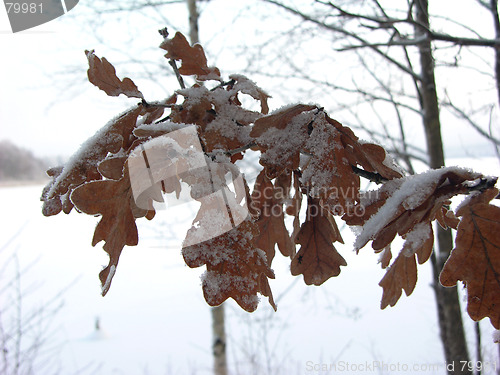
{"points": [[194, 138]]}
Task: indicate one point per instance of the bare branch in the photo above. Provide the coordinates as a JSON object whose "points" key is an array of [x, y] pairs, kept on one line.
{"points": [[432, 36], [387, 22], [462, 114], [345, 32]]}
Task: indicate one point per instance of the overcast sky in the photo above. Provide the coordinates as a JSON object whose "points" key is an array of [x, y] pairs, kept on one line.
{"points": [[34, 113], [37, 113]]}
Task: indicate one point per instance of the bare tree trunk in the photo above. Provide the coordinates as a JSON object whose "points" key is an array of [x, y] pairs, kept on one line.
{"points": [[479, 354], [498, 370], [449, 312], [218, 322], [219, 340], [496, 24], [193, 21]]}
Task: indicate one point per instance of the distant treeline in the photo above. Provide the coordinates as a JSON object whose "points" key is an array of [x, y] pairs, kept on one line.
{"points": [[19, 164]]}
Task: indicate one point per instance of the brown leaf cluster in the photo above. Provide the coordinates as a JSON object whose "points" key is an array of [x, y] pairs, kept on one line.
{"points": [[305, 155], [80, 184], [83, 166], [406, 207]]}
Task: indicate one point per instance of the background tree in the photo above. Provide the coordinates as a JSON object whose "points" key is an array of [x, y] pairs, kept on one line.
{"points": [[402, 39], [237, 242], [375, 34], [17, 164]]}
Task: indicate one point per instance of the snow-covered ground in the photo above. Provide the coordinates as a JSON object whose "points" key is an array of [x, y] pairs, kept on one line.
{"points": [[154, 319]]}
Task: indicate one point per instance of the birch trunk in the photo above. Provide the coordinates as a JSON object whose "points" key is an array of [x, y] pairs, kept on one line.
{"points": [[449, 312], [218, 323]]}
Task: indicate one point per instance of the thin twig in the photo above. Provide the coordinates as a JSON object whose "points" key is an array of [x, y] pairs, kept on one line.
{"points": [[228, 83], [147, 104], [372, 176], [173, 64], [483, 184], [240, 149]]}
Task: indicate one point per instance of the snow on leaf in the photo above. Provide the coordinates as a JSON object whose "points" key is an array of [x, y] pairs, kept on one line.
{"points": [[385, 257], [236, 268], [281, 136], [417, 237], [402, 203], [328, 175], [279, 119], [83, 165], [425, 250], [317, 259], [406, 206], [246, 86], [194, 61], [113, 201], [196, 108], [476, 257], [103, 75]]}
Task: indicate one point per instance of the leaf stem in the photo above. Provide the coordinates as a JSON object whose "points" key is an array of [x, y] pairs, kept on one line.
{"points": [[173, 64]]}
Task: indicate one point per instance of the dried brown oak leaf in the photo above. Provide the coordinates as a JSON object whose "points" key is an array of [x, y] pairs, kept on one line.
{"points": [[271, 220], [476, 257], [195, 109], [113, 201], [281, 136], [83, 165], [317, 259], [236, 268], [401, 275], [193, 59], [328, 174], [371, 157], [102, 74]]}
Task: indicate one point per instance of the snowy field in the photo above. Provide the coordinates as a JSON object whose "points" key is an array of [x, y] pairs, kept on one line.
{"points": [[154, 319]]}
